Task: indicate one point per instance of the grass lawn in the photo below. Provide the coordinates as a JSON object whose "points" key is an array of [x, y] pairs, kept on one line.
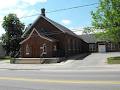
{"points": [[6, 59], [113, 60]]}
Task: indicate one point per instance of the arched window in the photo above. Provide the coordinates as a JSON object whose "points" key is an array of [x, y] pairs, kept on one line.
{"points": [[27, 49], [55, 48]]}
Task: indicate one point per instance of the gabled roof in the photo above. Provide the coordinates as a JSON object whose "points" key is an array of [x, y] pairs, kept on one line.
{"points": [[91, 38], [60, 27], [42, 36]]}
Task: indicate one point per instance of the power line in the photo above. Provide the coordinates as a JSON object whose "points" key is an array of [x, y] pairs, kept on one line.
{"points": [[63, 9], [29, 16]]}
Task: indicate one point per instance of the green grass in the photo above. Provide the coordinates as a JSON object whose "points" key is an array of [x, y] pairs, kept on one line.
{"points": [[5, 58], [7, 61], [113, 60]]}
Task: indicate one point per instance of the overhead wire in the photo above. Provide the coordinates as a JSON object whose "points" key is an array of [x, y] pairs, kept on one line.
{"points": [[59, 10], [63, 9], [71, 8]]}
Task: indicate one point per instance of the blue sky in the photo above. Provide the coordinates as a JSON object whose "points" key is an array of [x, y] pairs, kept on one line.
{"points": [[73, 19]]}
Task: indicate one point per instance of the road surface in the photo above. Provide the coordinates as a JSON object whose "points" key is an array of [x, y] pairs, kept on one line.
{"points": [[59, 80]]}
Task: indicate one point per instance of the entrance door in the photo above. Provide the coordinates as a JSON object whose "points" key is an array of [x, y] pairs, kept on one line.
{"points": [[101, 48]]}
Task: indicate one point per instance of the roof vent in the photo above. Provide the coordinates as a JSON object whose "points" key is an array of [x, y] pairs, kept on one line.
{"points": [[43, 11]]}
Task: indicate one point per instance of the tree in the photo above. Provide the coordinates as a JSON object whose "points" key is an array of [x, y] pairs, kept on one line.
{"points": [[89, 30], [14, 29], [107, 17]]}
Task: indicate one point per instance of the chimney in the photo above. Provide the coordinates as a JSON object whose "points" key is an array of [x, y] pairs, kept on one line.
{"points": [[43, 11]]}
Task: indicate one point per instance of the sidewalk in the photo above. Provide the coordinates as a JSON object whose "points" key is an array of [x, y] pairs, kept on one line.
{"points": [[58, 66], [91, 62]]}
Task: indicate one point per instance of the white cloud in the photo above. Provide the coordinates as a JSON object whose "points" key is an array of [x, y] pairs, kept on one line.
{"points": [[20, 12], [33, 2], [43, 1], [77, 30], [20, 7], [1, 18], [1, 29], [66, 21], [23, 13], [8, 3]]}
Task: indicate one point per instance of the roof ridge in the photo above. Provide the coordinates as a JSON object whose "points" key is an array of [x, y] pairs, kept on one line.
{"points": [[57, 25], [65, 28]]}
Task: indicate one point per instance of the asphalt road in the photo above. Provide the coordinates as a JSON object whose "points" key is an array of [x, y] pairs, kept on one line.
{"points": [[59, 80]]}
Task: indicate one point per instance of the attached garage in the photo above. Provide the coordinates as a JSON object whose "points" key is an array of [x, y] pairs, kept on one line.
{"points": [[101, 48], [100, 45]]}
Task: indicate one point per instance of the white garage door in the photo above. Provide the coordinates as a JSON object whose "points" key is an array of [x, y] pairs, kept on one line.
{"points": [[101, 48]]}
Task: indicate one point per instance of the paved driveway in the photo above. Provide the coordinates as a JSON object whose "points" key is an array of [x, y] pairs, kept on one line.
{"points": [[94, 59]]}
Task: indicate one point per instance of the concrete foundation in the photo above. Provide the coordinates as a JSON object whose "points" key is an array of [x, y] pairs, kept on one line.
{"points": [[36, 60]]}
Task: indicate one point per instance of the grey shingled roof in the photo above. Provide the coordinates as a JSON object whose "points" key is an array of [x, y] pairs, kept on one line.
{"points": [[89, 38], [60, 27]]}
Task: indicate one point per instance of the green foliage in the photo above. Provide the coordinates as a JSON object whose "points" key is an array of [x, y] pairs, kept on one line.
{"points": [[113, 60], [89, 30], [12, 25], [14, 29], [5, 58], [107, 17]]}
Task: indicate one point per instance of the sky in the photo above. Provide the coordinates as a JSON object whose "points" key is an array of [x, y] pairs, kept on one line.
{"points": [[74, 19]]}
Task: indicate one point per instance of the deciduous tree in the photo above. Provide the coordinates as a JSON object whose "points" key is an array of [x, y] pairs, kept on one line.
{"points": [[107, 17], [14, 29]]}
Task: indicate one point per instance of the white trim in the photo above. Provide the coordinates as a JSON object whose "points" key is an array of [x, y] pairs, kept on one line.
{"points": [[38, 34], [43, 37]]}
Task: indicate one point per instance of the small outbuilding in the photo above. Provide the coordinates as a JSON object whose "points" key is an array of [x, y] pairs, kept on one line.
{"points": [[97, 45]]}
